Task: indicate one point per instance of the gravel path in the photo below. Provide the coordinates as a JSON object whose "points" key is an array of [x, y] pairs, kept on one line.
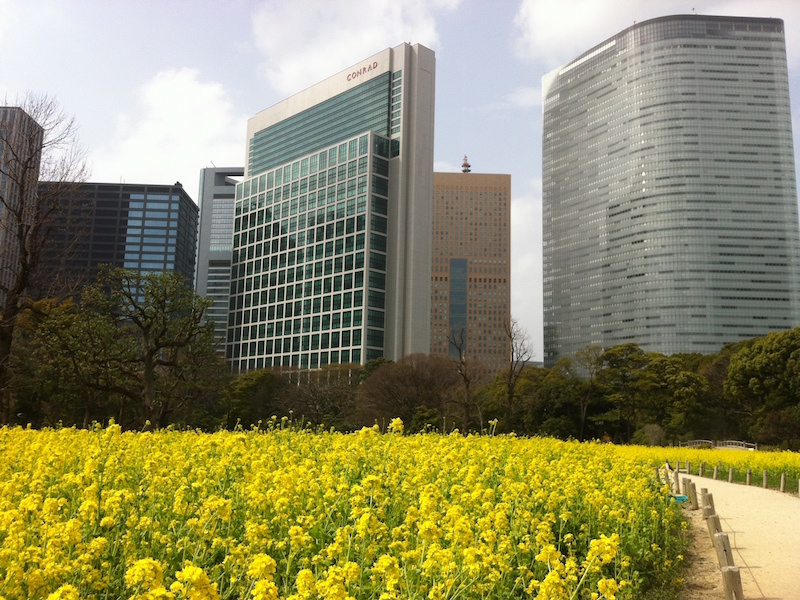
{"points": [[763, 527]]}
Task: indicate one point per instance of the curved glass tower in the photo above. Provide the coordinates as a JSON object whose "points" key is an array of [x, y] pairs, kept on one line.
{"points": [[669, 197]]}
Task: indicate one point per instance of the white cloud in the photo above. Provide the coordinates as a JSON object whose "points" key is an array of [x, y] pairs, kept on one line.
{"points": [[526, 97], [305, 42], [553, 32], [184, 124]]}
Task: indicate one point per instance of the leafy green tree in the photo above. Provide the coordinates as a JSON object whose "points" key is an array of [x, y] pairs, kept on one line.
{"points": [[139, 342], [166, 329], [764, 378], [622, 381], [673, 396], [66, 363], [252, 397]]}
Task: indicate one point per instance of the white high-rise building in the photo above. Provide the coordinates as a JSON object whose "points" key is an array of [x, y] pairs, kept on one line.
{"points": [[332, 234]]}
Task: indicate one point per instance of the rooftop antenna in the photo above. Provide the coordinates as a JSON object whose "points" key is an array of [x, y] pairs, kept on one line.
{"points": [[465, 166]]}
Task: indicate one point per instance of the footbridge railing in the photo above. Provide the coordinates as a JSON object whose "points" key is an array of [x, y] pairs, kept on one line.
{"points": [[727, 444]]}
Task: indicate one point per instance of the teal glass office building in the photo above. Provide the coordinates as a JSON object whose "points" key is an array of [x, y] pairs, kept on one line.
{"points": [[331, 256], [669, 197]]}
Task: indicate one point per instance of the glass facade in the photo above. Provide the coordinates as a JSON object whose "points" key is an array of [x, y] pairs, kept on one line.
{"points": [[149, 228], [215, 243], [669, 196], [151, 238], [362, 108], [331, 237], [308, 285]]}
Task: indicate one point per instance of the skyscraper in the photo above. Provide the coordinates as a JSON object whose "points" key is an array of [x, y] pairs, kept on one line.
{"points": [[148, 228], [331, 249], [470, 280], [21, 140], [669, 197], [215, 243]]}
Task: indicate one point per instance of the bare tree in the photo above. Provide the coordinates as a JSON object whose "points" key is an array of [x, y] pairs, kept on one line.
{"points": [[415, 386], [472, 373], [38, 142], [520, 352]]}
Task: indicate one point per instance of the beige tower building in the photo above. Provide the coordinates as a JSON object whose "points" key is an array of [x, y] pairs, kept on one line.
{"points": [[470, 278]]}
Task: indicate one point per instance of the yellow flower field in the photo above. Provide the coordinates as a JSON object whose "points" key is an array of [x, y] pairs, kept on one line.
{"points": [[301, 515], [739, 460]]}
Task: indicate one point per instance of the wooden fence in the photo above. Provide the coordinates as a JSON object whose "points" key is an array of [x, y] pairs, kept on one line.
{"points": [[731, 577]]}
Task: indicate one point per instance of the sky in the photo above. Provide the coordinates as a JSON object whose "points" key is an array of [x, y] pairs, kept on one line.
{"points": [[163, 88]]}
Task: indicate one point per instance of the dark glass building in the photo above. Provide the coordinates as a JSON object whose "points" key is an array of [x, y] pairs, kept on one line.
{"points": [[669, 197], [148, 228]]}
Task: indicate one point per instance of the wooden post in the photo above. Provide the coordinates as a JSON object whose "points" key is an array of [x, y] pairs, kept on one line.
{"points": [[730, 475], [724, 552], [783, 482], [749, 475], [732, 583], [685, 485], [702, 469], [676, 485], [716, 469], [688, 467], [708, 500], [713, 526], [766, 479], [693, 496]]}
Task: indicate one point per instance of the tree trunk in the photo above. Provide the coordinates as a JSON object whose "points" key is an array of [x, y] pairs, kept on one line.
{"points": [[5, 372]]}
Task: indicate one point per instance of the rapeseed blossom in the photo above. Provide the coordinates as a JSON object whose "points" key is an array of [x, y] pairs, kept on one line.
{"points": [[293, 515]]}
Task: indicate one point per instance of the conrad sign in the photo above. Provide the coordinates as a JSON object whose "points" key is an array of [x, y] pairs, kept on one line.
{"points": [[362, 71]]}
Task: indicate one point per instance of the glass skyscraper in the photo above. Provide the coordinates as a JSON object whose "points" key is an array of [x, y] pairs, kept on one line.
{"points": [[215, 243], [149, 228], [669, 197], [331, 253]]}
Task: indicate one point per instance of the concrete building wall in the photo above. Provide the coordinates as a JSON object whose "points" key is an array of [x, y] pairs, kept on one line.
{"points": [[21, 141], [471, 277]]}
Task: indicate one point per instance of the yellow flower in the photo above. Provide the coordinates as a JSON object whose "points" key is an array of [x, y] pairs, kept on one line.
{"points": [[265, 590], [396, 426], [305, 583], [194, 584], [608, 587], [262, 567], [65, 592], [145, 574]]}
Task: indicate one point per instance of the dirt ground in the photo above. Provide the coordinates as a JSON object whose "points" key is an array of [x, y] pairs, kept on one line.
{"points": [[703, 580], [763, 527]]}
